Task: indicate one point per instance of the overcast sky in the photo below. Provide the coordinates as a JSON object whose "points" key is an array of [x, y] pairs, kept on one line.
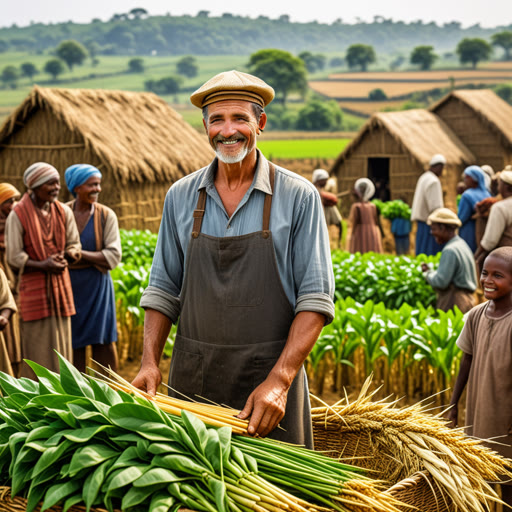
{"points": [[489, 13]]}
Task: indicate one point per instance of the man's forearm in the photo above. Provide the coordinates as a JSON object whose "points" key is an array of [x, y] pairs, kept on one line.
{"points": [[156, 330], [304, 332]]}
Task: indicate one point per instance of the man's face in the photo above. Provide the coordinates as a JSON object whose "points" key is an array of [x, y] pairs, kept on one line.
{"points": [[49, 191], [232, 129], [437, 169], [6, 206], [440, 232], [89, 191]]}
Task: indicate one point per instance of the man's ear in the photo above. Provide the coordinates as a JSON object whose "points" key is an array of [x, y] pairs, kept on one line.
{"points": [[262, 122], [205, 125]]}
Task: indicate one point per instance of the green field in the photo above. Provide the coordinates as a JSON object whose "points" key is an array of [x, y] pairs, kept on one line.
{"points": [[303, 148]]}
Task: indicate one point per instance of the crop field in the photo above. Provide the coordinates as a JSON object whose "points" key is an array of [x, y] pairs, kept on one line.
{"points": [[369, 107], [426, 76], [338, 89], [303, 148]]}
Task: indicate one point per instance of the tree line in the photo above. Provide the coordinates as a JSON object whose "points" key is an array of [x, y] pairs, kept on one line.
{"points": [[138, 33]]}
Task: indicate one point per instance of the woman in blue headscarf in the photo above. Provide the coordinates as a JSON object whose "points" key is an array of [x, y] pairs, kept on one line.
{"points": [[474, 180], [95, 320]]}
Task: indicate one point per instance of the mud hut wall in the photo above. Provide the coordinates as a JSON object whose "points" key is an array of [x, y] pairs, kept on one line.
{"points": [[477, 135], [379, 143], [141, 206], [404, 171]]}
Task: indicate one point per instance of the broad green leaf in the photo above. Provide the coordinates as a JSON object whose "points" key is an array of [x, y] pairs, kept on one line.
{"points": [[72, 381], [90, 455], [52, 455], [158, 476], [58, 492], [51, 380], [218, 490], [138, 495], [72, 500], [94, 482], [125, 476], [196, 429], [161, 502]]}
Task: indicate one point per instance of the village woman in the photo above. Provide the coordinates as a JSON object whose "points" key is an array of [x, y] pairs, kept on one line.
{"points": [[474, 179], [364, 219], [41, 238], [95, 320], [8, 195]]}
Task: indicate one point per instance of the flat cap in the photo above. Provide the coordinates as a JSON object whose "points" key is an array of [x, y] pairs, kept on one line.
{"points": [[444, 216], [233, 85], [437, 159]]}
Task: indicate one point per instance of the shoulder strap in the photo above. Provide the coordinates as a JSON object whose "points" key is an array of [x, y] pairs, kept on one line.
{"points": [[199, 213], [267, 206]]}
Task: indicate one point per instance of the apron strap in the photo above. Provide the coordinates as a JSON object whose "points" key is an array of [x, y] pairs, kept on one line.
{"points": [[199, 213], [268, 201], [267, 206]]}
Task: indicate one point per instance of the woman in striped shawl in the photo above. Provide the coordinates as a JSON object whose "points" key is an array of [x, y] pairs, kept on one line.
{"points": [[41, 239]]}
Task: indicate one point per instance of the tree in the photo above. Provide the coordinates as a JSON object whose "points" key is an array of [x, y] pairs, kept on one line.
{"points": [[319, 115], [71, 52], [10, 76], [281, 70], [504, 91], [360, 55], [136, 65], [313, 62], [54, 67], [29, 70], [187, 66], [473, 51], [423, 56], [166, 85], [138, 13], [4, 45], [503, 39], [377, 95]]}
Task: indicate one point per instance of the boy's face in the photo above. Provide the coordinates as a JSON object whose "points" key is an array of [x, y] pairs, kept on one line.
{"points": [[496, 278]]}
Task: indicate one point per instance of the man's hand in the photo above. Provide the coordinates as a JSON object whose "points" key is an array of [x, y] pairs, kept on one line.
{"points": [[265, 406], [424, 267], [3, 322], [148, 379]]}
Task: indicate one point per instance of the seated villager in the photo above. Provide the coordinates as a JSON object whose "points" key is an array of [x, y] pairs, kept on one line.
{"points": [[455, 279], [41, 239]]}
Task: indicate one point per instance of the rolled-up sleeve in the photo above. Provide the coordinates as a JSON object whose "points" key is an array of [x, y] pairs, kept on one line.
{"points": [[312, 264], [166, 276], [16, 254]]}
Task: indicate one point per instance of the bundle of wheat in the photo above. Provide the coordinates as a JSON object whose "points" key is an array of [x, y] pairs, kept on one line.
{"points": [[400, 441]]}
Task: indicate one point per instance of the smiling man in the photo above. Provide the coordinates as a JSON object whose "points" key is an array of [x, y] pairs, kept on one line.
{"points": [[41, 237], [455, 279], [243, 266]]}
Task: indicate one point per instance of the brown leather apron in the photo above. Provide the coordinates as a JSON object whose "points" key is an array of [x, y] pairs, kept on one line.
{"points": [[234, 323]]}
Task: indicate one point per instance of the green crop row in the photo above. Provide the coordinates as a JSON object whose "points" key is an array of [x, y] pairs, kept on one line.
{"points": [[411, 350]]}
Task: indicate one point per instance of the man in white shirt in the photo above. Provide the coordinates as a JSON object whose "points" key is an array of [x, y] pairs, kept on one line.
{"points": [[428, 197]]}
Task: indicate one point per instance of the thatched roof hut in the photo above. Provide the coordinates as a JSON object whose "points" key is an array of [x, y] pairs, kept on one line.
{"points": [[394, 148], [140, 144], [482, 121]]}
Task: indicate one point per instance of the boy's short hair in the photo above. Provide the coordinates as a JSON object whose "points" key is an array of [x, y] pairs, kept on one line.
{"points": [[504, 253]]}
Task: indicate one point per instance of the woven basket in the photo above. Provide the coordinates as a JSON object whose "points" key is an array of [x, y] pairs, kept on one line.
{"points": [[358, 447]]}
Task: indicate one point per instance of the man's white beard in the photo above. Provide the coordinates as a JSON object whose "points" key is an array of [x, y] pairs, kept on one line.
{"points": [[231, 159]]}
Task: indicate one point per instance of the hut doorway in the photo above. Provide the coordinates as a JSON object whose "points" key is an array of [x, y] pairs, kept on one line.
{"points": [[378, 172]]}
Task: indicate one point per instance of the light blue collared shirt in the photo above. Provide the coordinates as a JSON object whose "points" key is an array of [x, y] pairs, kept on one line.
{"points": [[299, 233]]}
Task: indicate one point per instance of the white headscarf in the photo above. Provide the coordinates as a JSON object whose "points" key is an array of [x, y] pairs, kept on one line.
{"points": [[365, 188], [319, 174]]}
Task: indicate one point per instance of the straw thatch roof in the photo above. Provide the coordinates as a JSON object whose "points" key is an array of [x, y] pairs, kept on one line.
{"points": [[137, 136], [419, 132], [488, 106]]}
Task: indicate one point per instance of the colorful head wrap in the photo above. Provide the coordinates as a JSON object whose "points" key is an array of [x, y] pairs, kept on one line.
{"points": [[7, 191], [365, 188], [38, 174], [78, 174], [476, 173]]}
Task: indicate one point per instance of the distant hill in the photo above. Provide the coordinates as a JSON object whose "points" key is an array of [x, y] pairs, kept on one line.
{"points": [[126, 34]]}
